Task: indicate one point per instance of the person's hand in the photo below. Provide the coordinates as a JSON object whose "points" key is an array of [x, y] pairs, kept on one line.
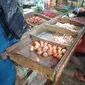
{"points": [[4, 56], [82, 9]]}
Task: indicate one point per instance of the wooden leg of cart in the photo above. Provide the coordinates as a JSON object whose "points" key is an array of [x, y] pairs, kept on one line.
{"points": [[57, 81]]}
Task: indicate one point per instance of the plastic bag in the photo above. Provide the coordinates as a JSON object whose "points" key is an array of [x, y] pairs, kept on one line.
{"points": [[14, 18]]}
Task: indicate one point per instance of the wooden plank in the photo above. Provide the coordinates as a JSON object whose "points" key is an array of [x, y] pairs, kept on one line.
{"points": [[35, 78], [16, 47], [69, 20], [38, 80], [48, 72], [21, 81], [61, 65], [60, 30], [30, 78]]}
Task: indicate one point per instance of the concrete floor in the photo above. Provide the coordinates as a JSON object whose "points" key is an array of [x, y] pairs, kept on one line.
{"points": [[68, 76]]}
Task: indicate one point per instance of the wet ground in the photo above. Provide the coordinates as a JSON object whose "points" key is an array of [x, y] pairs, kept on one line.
{"points": [[68, 76]]}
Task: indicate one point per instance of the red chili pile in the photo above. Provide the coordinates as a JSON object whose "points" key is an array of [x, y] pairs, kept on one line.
{"points": [[50, 14]]}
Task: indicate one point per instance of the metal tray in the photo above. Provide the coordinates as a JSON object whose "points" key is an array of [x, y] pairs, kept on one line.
{"points": [[46, 67], [29, 15], [51, 24]]}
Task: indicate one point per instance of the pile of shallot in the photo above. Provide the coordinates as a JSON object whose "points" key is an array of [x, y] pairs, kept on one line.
{"points": [[35, 20], [45, 49]]}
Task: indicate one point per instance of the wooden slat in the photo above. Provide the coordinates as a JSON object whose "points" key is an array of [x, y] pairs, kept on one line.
{"points": [[16, 47], [48, 72], [60, 30], [30, 78], [69, 20], [35, 78]]}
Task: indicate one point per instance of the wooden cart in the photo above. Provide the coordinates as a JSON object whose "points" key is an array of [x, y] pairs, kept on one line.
{"points": [[20, 54]]}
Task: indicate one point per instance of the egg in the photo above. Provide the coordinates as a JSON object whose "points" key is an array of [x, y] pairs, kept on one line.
{"points": [[45, 54]]}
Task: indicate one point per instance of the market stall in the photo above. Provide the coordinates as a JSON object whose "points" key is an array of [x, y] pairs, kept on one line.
{"points": [[48, 46], [27, 52]]}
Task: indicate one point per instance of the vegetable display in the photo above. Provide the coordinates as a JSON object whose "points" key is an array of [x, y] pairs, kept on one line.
{"points": [[50, 14], [46, 50], [63, 39], [35, 20]]}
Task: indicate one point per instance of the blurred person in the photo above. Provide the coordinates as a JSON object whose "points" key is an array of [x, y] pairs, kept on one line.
{"points": [[12, 27], [79, 58]]}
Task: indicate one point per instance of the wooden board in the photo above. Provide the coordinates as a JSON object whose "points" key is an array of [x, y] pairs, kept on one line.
{"points": [[69, 20], [51, 23], [32, 65]]}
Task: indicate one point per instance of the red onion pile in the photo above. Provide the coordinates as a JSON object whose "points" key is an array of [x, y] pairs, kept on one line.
{"points": [[35, 20]]}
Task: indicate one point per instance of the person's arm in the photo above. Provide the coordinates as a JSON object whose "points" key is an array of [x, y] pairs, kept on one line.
{"points": [[81, 12]]}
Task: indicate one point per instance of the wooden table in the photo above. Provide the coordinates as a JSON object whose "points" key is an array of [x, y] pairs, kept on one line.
{"points": [[52, 74]]}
